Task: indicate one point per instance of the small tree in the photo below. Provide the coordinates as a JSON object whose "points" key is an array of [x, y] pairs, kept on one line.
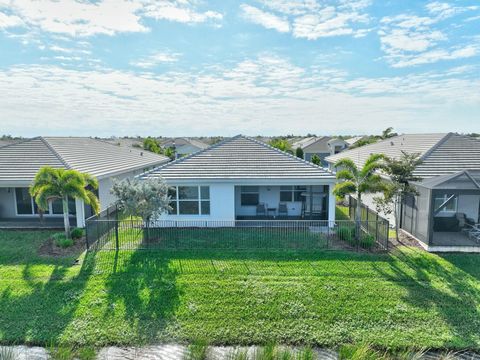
{"points": [[388, 133], [152, 145], [281, 144], [169, 152], [398, 188], [316, 159], [359, 181], [299, 152], [60, 184], [144, 198]]}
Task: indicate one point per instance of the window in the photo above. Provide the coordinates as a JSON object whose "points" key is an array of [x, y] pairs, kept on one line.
{"points": [[292, 193], [190, 200], [24, 201], [27, 206], [57, 207], [451, 206], [249, 195]]}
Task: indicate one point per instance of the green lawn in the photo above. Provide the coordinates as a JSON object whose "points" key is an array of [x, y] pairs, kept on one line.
{"points": [[409, 298]]}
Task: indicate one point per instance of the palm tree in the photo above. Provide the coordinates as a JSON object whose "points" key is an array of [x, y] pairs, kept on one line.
{"points": [[359, 181], [60, 184]]}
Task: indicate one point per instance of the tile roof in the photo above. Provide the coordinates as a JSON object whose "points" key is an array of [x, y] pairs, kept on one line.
{"points": [[441, 154], [184, 141], [20, 162], [240, 157], [305, 142]]}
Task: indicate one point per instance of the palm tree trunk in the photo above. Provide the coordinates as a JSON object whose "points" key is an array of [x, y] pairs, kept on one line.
{"points": [[66, 219], [358, 216]]}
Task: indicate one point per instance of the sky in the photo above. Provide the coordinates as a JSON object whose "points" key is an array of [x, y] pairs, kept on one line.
{"points": [[270, 67]]}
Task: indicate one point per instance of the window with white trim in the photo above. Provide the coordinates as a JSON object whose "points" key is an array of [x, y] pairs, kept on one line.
{"points": [[451, 206], [190, 200], [249, 195]]}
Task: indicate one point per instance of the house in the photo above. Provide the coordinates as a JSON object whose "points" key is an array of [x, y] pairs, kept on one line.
{"points": [[21, 161], [353, 140], [322, 146], [242, 178], [184, 146], [444, 215]]}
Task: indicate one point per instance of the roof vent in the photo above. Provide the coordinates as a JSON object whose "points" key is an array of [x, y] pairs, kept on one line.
{"points": [[141, 153], [392, 143]]}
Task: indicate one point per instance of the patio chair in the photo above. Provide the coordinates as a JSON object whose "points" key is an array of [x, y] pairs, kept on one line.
{"points": [[282, 209], [261, 209]]}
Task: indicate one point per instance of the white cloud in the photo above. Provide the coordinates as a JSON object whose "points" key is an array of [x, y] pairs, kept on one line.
{"points": [[310, 19], [445, 10], [267, 95], [435, 55], [7, 21], [155, 59], [108, 17], [410, 40], [181, 11], [267, 20]]}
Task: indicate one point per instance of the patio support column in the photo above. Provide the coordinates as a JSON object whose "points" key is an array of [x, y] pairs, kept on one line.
{"points": [[331, 206], [80, 213]]}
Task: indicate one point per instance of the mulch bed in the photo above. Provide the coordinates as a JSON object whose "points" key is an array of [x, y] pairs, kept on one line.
{"points": [[49, 248], [404, 240]]}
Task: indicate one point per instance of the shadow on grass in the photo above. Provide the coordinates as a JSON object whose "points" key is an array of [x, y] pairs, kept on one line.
{"points": [[437, 283], [37, 310], [145, 284]]}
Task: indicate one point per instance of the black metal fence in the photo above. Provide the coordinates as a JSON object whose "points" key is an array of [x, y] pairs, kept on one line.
{"points": [[374, 222], [133, 234]]}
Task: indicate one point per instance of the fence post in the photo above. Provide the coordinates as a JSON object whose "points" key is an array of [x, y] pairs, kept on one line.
{"points": [[116, 236], [86, 235], [350, 206], [376, 228]]}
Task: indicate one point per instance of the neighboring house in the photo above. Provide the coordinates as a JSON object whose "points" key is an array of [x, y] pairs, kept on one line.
{"points": [[353, 140], [184, 146], [322, 146], [21, 161], [441, 217], [242, 178]]}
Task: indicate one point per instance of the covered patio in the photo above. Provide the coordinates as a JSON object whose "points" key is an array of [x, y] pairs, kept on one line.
{"points": [[281, 202], [446, 214]]}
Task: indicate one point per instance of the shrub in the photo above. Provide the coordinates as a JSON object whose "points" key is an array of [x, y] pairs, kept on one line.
{"points": [[368, 241], [61, 241], [346, 233], [77, 233]]}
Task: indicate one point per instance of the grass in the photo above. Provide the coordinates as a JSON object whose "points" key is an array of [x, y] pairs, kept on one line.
{"points": [[390, 301]]}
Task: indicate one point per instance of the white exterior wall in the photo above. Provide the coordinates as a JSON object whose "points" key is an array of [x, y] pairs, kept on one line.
{"points": [[222, 203], [105, 184], [225, 202]]}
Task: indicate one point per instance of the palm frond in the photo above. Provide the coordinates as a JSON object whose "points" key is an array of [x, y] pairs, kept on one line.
{"points": [[347, 164], [93, 202], [91, 181], [344, 188], [345, 174]]}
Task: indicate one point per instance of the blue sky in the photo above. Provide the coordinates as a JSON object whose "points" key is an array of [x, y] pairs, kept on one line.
{"points": [[192, 67]]}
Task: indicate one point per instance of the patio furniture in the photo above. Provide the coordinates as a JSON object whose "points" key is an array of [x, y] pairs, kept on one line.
{"points": [[282, 209], [272, 210], [446, 224], [473, 232], [261, 209]]}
